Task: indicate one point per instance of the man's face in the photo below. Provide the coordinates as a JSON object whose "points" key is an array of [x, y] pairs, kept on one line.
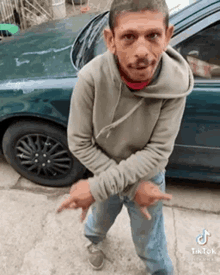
{"points": [[140, 39]]}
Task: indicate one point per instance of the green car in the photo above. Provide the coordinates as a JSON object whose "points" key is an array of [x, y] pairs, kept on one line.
{"points": [[39, 71]]}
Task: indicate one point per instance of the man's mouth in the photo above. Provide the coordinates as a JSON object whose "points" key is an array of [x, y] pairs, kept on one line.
{"points": [[140, 68], [143, 67]]}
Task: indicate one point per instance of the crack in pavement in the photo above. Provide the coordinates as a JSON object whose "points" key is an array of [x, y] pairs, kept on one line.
{"points": [[39, 238]]}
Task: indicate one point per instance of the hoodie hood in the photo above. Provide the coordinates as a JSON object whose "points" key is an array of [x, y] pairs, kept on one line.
{"points": [[175, 78]]}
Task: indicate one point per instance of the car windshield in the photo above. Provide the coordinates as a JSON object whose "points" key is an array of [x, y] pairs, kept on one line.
{"points": [[83, 49]]}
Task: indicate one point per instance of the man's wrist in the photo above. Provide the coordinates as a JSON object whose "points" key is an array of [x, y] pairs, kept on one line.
{"points": [[94, 190]]}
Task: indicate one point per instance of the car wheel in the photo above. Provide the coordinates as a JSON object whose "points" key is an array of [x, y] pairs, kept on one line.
{"points": [[39, 152]]}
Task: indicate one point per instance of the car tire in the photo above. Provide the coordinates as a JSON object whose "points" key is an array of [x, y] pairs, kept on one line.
{"points": [[39, 152]]}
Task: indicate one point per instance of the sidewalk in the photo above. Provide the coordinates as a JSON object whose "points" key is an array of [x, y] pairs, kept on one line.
{"points": [[34, 240]]}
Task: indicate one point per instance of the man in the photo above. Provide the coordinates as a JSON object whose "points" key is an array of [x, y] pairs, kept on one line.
{"points": [[125, 114]]}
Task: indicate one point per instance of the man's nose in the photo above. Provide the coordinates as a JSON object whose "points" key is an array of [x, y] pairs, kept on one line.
{"points": [[142, 49]]}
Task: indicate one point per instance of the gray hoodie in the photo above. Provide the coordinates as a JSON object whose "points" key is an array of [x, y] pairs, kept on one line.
{"points": [[122, 136]]}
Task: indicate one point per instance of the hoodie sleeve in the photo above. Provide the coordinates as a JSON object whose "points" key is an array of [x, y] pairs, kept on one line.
{"points": [[80, 130], [140, 165]]}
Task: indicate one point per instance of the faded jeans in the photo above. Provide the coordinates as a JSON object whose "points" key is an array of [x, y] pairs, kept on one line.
{"points": [[148, 235]]}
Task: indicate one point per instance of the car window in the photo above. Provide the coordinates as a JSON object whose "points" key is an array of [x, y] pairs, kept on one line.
{"points": [[202, 52], [100, 46], [83, 48]]}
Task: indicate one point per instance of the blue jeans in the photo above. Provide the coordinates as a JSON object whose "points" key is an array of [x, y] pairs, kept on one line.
{"points": [[148, 235]]}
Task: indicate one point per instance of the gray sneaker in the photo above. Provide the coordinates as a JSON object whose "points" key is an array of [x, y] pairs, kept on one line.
{"points": [[96, 256]]}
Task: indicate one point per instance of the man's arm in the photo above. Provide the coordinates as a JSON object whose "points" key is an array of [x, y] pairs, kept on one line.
{"points": [[154, 155], [112, 178], [80, 130]]}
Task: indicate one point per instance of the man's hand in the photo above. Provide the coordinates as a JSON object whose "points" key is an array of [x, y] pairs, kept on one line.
{"points": [[80, 197], [148, 194], [84, 210]]}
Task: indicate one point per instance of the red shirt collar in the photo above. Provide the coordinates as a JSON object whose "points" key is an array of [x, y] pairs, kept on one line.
{"points": [[135, 86]]}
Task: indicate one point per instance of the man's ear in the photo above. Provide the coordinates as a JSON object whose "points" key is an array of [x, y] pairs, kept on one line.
{"points": [[169, 34], [109, 40]]}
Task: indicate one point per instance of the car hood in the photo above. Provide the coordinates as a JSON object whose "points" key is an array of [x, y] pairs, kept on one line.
{"points": [[42, 51]]}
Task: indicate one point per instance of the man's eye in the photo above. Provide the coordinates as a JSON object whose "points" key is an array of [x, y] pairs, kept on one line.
{"points": [[128, 37], [153, 35]]}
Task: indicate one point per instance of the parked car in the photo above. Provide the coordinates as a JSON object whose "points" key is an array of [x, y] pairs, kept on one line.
{"points": [[38, 73]]}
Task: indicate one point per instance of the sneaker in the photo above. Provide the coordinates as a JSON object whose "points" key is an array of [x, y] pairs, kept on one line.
{"points": [[96, 256]]}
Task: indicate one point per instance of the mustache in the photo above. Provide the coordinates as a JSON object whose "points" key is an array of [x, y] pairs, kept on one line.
{"points": [[141, 63]]}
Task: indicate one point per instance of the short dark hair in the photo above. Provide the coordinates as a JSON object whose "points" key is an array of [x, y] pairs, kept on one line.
{"points": [[119, 6]]}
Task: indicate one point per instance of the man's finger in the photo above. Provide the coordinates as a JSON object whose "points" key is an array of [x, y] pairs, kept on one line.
{"points": [[73, 205], [163, 196], [144, 210], [157, 194], [65, 204]]}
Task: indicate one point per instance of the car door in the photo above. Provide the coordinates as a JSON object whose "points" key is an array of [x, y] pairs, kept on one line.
{"points": [[197, 147]]}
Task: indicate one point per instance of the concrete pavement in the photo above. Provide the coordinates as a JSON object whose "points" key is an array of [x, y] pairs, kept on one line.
{"points": [[34, 240]]}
